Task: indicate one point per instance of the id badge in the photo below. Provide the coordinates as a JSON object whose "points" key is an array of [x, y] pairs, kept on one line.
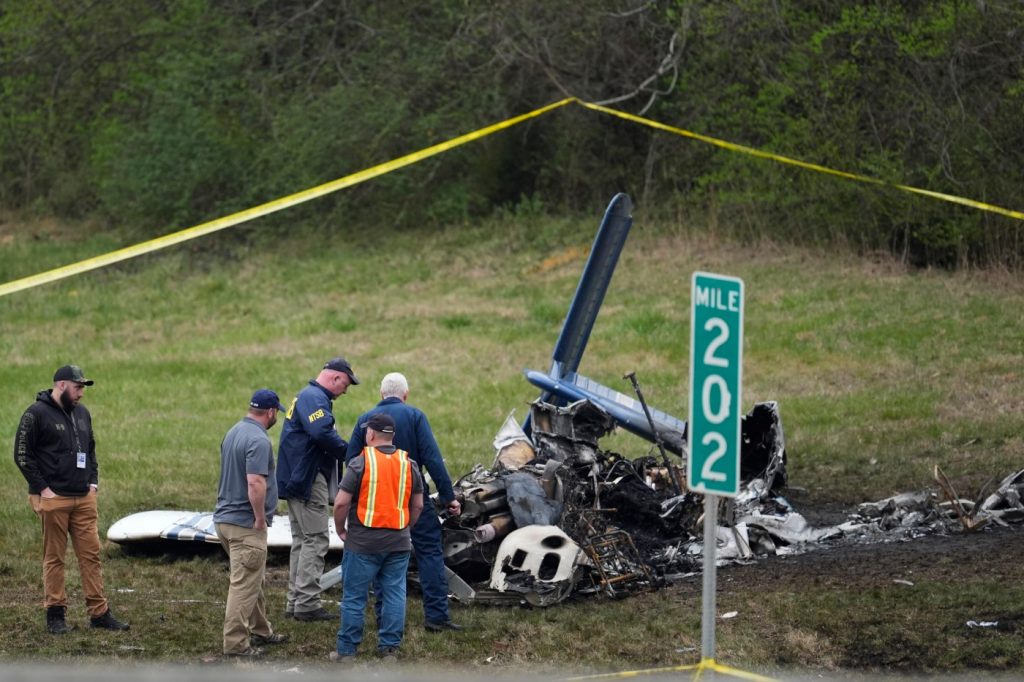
{"points": [[81, 460]]}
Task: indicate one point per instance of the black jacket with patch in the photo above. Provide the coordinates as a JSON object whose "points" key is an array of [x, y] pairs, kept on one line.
{"points": [[47, 444]]}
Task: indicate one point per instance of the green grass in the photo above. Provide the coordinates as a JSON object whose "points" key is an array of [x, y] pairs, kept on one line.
{"points": [[880, 374]]}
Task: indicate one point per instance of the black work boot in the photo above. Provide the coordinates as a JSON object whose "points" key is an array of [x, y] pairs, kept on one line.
{"points": [[108, 622], [55, 624]]}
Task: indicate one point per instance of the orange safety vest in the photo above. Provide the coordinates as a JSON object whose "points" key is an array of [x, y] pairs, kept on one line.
{"points": [[385, 490]]}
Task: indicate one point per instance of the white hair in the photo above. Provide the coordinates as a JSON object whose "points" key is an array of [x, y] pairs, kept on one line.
{"points": [[393, 385]]}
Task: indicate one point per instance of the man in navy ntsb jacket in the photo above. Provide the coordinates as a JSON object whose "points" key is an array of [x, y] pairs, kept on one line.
{"points": [[309, 456]]}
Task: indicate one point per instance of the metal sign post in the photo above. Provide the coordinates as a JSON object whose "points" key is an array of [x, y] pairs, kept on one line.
{"points": [[716, 371], [707, 619]]}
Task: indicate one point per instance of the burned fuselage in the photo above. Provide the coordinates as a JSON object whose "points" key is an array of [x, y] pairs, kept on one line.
{"points": [[599, 521]]}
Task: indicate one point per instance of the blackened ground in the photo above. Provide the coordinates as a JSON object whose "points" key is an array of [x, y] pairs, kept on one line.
{"points": [[924, 632], [996, 553]]}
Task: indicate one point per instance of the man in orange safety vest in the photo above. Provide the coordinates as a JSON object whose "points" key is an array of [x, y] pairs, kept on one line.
{"points": [[381, 496]]}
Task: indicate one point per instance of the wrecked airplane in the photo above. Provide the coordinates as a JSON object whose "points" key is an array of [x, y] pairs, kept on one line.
{"points": [[555, 514]]}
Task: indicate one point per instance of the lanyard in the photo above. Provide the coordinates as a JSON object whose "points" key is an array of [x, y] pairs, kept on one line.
{"points": [[74, 430]]}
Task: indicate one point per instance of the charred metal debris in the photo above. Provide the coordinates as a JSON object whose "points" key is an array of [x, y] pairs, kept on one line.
{"points": [[555, 515]]}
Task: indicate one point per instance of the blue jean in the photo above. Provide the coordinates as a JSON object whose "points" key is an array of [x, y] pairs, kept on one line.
{"points": [[361, 570], [426, 543]]}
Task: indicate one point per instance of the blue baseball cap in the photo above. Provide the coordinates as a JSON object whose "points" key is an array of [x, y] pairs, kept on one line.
{"points": [[264, 399]]}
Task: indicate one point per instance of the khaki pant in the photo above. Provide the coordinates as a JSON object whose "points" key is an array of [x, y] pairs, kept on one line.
{"points": [[310, 540], [246, 611], [76, 517]]}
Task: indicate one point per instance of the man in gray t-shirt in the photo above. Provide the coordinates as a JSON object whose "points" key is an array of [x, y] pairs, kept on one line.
{"points": [[381, 496], [246, 500]]}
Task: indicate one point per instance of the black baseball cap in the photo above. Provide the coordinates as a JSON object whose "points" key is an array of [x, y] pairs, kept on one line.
{"points": [[264, 399], [72, 373], [340, 364], [380, 422]]}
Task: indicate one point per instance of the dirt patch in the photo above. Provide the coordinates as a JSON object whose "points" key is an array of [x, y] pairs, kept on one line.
{"points": [[994, 554]]}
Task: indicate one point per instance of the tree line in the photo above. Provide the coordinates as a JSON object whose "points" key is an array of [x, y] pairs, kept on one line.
{"points": [[153, 114]]}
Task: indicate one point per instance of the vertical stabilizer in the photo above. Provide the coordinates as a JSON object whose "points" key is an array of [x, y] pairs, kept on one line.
{"points": [[586, 302], [604, 256]]}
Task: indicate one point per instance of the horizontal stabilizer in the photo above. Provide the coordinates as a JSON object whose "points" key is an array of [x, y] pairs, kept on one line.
{"points": [[627, 411]]}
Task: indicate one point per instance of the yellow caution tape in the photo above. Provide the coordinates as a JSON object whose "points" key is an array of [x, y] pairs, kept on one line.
{"points": [[710, 664], [264, 209], [389, 166], [804, 164], [698, 669]]}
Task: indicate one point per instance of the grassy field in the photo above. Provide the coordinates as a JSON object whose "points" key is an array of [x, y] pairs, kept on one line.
{"points": [[880, 374]]}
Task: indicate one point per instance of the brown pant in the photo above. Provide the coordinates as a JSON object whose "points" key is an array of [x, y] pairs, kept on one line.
{"points": [[77, 517], [246, 611]]}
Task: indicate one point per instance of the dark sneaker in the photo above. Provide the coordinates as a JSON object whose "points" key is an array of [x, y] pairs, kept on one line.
{"points": [[441, 627], [273, 638], [319, 614], [250, 653], [108, 622], [388, 654], [55, 623]]}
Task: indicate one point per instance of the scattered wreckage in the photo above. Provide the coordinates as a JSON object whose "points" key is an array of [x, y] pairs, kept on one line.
{"points": [[555, 515]]}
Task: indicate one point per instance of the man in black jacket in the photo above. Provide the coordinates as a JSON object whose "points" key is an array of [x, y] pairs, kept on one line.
{"points": [[55, 450]]}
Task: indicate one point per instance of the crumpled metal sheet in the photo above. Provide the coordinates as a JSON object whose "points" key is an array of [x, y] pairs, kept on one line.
{"points": [[1004, 505], [528, 502]]}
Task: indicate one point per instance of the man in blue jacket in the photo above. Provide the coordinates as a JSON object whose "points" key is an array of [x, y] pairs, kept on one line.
{"points": [[309, 456], [413, 434]]}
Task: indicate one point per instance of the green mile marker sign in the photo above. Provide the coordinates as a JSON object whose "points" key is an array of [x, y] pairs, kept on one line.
{"points": [[716, 378]]}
